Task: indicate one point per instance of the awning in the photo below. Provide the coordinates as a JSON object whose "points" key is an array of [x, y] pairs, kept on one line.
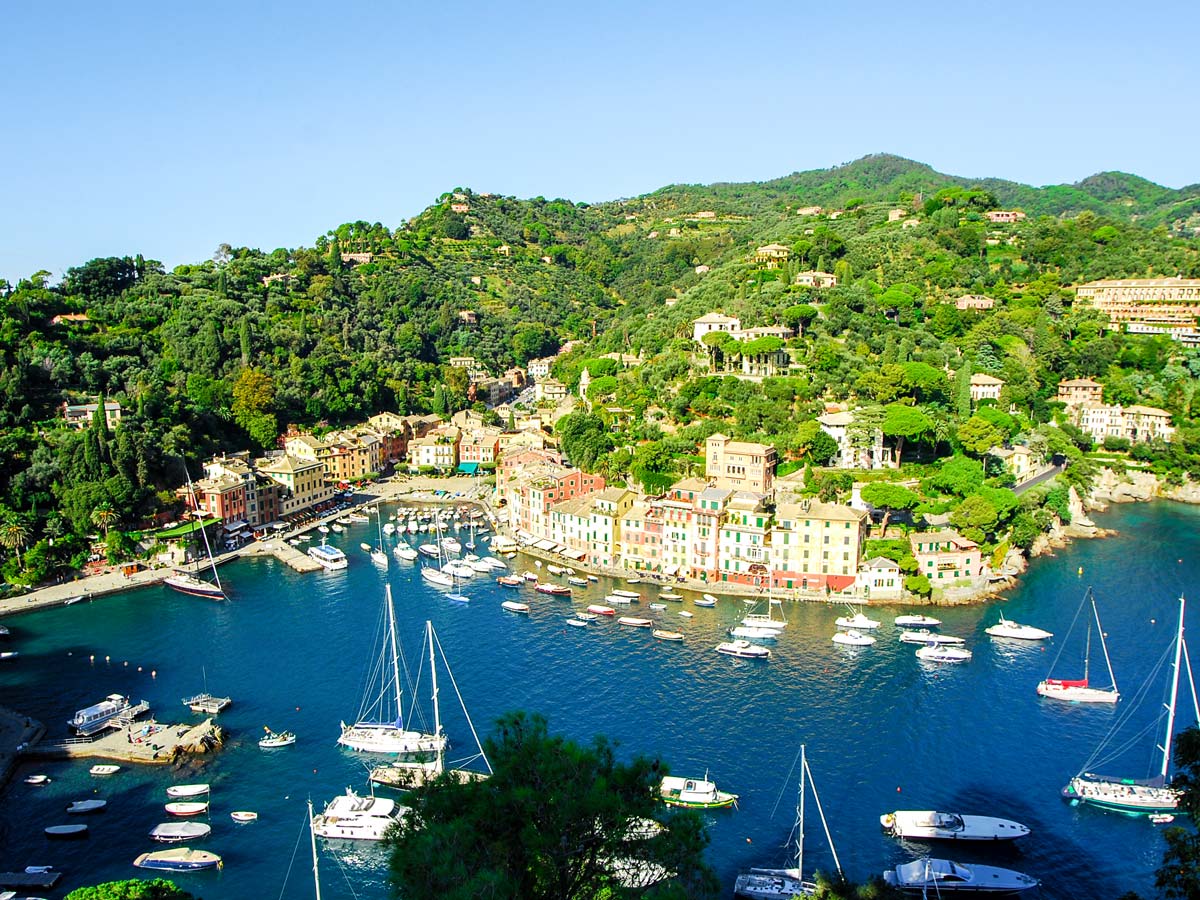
{"points": [[839, 582], [670, 570], [188, 528], [468, 468], [279, 526], [575, 554], [544, 545], [236, 526]]}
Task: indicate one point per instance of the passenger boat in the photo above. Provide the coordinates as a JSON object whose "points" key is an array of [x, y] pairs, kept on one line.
{"points": [[743, 649], [913, 621], [601, 610], [706, 600], [180, 859], [557, 590], [664, 635], [352, 817], [940, 654], [634, 622], [925, 636], [939, 877], [272, 739], [329, 557], [510, 581], [186, 808], [177, 832], [1079, 690], [1006, 628], [104, 769], [515, 606], [927, 825], [87, 806], [694, 793], [180, 791], [853, 638], [92, 719], [63, 832]]}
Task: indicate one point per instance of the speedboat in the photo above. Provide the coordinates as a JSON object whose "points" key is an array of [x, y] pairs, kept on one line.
{"points": [[179, 791], [87, 806], [743, 649], [273, 739], [859, 622], [938, 877], [706, 600], [515, 606], [917, 622], [180, 859], [352, 817], [1006, 628], [853, 638], [176, 832], [754, 633], [925, 636], [694, 793], [37, 779], [940, 654], [926, 825]]}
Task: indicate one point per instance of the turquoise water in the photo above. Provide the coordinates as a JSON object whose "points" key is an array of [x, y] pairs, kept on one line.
{"points": [[883, 731]]}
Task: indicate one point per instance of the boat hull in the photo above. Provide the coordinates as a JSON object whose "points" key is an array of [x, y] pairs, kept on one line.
{"points": [[1118, 796], [372, 738], [1076, 694], [194, 587]]}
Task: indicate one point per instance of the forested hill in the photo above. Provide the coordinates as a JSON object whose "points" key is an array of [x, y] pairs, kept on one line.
{"points": [[225, 352], [884, 178]]}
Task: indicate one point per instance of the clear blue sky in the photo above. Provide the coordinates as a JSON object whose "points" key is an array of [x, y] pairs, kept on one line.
{"points": [[130, 129]]}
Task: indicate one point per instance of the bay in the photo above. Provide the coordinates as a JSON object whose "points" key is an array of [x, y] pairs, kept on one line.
{"points": [[883, 731]]}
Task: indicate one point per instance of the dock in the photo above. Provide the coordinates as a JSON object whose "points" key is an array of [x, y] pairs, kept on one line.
{"points": [[13, 880], [284, 552], [149, 744]]}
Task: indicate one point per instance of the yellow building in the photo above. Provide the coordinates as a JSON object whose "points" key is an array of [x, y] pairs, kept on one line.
{"points": [[739, 465], [303, 479]]}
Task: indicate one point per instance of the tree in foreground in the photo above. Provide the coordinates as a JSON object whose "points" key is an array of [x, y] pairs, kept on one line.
{"points": [[133, 889], [555, 820], [1179, 876]]}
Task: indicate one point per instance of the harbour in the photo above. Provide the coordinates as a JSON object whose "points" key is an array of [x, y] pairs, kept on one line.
{"points": [[883, 731]]}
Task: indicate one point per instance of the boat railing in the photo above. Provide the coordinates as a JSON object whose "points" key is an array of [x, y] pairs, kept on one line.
{"points": [[66, 742], [127, 716]]}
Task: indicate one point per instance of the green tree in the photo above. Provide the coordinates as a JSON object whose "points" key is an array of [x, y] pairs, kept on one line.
{"points": [[13, 535], [556, 820], [253, 398], [104, 517], [977, 435], [904, 423], [1179, 875], [889, 496], [133, 889]]}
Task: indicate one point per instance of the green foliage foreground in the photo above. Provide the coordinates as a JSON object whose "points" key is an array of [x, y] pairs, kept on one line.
{"points": [[133, 889]]}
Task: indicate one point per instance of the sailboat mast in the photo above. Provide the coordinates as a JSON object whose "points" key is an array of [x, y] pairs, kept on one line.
{"points": [[824, 823], [437, 716], [312, 836], [1087, 653], [395, 656], [800, 816], [203, 531], [1166, 745], [1104, 645]]}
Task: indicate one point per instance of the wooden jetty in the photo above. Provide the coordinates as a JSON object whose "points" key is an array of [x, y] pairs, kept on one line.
{"points": [[149, 744], [14, 880]]}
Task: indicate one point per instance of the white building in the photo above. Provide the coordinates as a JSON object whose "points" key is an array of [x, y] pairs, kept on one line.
{"points": [[870, 454], [714, 321]]}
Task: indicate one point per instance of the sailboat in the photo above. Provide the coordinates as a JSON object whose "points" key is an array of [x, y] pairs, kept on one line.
{"points": [[191, 582], [377, 555], [784, 884], [312, 836], [411, 773], [436, 574], [1079, 690], [1137, 795], [371, 733], [767, 620]]}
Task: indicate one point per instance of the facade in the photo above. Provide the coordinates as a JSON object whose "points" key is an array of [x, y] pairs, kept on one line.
{"points": [[974, 301], [550, 389], [816, 546], [880, 579], [1138, 424], [539, 368], [854, 451], [814, 279], [346, 455], [1018, 461], [1004, 216], [482, 446], [714, 321], [303, 482], [1080, 390], [772, 256], [604, 530], [79, 415], [985, 387], [437, 450], [1150, 301], [739, 465], [946, 556]]}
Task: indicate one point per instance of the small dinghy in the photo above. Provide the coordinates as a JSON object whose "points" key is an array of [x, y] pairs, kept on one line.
{"points": [[273, 739], [175, 832], [587, 616], [577, 623], [37, 779], [664, 635], [515, 606], [87, 806], [243, 816], [66, 832], [706, 600], [686, 614], [658, 606], [186, 808], [179, 791], [634, 622], [104, 769]]}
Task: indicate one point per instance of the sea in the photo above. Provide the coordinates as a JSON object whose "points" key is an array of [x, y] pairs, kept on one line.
{"points": [[882, 730]]}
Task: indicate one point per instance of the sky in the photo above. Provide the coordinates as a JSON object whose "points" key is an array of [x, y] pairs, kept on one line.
{"points": [[167, 129]]}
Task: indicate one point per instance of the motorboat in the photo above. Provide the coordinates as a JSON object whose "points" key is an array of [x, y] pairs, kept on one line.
{"points": [[686, 614], [578, 582], [556, 590], [634, 622], [853, 638], [479, 566], [530, 576], [242, 816], [706, 600], [379, 557], [938, 877], [515, 606], [498, 564], [458, 569], [451, 545], [577, 623], [104, 769], [330, 558], [186, 808], [403, 551], [694, 793], [389, 528], [592, 578], [87, 806], [664, 635], [92, 719], [858, 622], [587, 616], [743, 649], [177, 832], [180, 791], [631, 595], [37, 779], [179, 859], [63, 832], [925, 636], [928, 825], [618, 599], [430, 550], [754, 633], [324, 529], [352, 817], [556, 570], [1007, 628], [276, 739], [600, 609], [916, 621], [941, 654], [337, 529], [510, 581]]}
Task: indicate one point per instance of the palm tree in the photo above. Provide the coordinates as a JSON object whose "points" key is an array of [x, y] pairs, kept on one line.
{"points": [[104, 517], [13, 535]]}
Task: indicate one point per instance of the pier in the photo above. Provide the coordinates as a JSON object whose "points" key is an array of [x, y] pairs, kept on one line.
{"points": [[148, 744]]}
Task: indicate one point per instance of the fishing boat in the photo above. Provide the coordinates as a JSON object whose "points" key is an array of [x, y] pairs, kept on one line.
{"points": [[860, 621], [939, 877], [1079, 690], [925, 636], [180, 859], [634, 622], [664, 635], [743, 649], [80, 807], [786, 884], [510, 581], [694, 793], [352, 817], [853, 638], [92, 719], [330, 558], [1007, 628], [938, 653], [242, 816], [915, 621], [928, 825], [1136, 795], [177, 832], [179, 791], [37, 779], [190, 582], [187, 808], [104, 769], [515, 606], [599, 609], [706, 600], [63, 832], [555, 590], [273, 739], [372, 732]]}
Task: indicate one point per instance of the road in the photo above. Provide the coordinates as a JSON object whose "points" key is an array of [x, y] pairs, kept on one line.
{"points": [[1037, 479]]}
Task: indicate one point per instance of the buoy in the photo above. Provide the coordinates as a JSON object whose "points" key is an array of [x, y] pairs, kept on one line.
{"points": [[125, 664], [897, 789], [1152, 622], [1081, 570], [748, 841], [92, 657], [154, 673], [108, 659]]}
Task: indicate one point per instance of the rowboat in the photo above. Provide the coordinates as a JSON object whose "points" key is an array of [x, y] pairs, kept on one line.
{"points": [[515, 606], [243, 816], [64, 831], [601, 610], [104, 769], [632, 595], [87, 806], [706, 600], [179, 791], [186, 808], [577, 623], [664, 635], [634, 622]]}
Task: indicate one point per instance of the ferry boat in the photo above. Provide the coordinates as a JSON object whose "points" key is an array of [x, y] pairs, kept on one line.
{"points": [[95, 718], [330, 557]]}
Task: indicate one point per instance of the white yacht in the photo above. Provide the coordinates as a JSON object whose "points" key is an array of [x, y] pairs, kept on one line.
{"points": [[330, 557], [939, 654], [853, 638], [925, 636], [917, 621], [938, 877], [351, 817], [927, 825], [858, 622], [1007, 628], [743, 649]]}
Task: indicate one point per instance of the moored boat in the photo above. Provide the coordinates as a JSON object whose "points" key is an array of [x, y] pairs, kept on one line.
{"points": [[179, 859], [938, 653], [87, 806], [515, 606], [857, 622], [743, 649], [1007, 628], [276, 739], [686, 614], [754, 633], [186, 808], [618, 599], [938, 877], [177, 832], [510, 581], [853, 638], [104, 769], [634, 622], [631, 595], [694, 793], [600, 609], [179, 791], [1079, 690], [664, 635], [556, 590], [706, 600], [243, 815], [352, 817], [577, 623], [925, 636], [62, 832], [37, 779], [928, 825], [917, 621]]}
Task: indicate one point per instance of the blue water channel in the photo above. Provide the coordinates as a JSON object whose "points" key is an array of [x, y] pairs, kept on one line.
{"points": [[883, 731]]}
